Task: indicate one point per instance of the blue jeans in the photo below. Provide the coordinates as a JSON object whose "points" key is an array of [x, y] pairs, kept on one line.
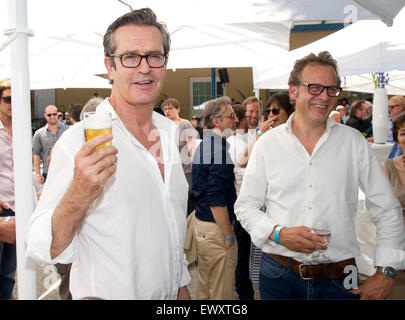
{"points": [[8, 264], [278, 282]]}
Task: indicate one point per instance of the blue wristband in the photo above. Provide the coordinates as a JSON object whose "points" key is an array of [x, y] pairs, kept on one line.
{"points": [[259, 133], [277, 234], [230, 239]]}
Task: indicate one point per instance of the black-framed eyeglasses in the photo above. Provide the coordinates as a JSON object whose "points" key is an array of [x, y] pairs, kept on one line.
{"points": [[394, 106], [274, 111], [317, 89], [51, 114], [231, 116], [6, 99], [133, 60]]}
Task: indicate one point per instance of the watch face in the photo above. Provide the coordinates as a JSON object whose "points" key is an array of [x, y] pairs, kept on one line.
{"points": [[390, 272]]}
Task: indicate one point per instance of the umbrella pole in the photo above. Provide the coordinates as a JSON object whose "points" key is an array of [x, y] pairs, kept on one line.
{"points": [[22, 145]]}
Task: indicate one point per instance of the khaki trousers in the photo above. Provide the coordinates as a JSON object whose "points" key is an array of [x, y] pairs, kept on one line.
{"points": [[216, 264]]}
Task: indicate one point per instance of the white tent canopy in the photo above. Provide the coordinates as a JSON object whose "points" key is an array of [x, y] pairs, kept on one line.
{"points": [[363, 47], [66, 49]]}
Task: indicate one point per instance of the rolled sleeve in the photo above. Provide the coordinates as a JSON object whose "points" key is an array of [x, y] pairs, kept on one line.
{"points": [[385, 211], [185, 275], [36, 144], [39, 247], [39, 227], [216, 185]]}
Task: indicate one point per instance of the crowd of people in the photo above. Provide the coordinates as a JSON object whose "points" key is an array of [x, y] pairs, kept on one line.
{"points": [[243, 185]]}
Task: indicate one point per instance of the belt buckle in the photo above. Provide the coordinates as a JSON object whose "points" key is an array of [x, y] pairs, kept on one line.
{"points": [[300, 270]]}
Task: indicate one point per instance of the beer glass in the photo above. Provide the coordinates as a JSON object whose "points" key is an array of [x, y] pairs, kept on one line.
{"points": [[97, 123]]}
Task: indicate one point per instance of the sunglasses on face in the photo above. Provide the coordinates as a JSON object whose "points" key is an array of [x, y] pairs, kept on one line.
{"points": [[274, 111], [52, 114], [6, 99]]}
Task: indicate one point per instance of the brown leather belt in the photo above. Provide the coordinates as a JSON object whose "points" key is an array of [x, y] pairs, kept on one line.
{"points": [[309, 271]]}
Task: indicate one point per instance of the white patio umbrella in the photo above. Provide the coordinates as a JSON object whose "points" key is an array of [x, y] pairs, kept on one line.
{"points": [[360, 49]]}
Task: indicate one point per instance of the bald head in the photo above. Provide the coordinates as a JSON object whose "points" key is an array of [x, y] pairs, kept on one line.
{"points": [[51, 114]]}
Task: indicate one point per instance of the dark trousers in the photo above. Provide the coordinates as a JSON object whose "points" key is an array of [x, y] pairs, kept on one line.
{"points": [[278, 282], [8, 264], [243, 283], [190, 200], [64, 272]]}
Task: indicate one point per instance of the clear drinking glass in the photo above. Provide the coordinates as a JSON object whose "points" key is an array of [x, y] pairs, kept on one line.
{"points": [[321, 228], [97, 123]]}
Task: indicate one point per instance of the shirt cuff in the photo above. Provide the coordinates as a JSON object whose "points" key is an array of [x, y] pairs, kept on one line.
{"points": [[185, 275], [262, 231], [390, 257], [39, 240]]}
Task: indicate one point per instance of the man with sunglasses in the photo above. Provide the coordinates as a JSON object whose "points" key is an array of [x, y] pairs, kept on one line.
{"points": [[44, 140], [118, 213], [7, 201], [290, 171]]}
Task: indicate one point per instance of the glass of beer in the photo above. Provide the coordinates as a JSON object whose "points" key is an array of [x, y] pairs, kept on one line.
{"points": [[97, 123]]}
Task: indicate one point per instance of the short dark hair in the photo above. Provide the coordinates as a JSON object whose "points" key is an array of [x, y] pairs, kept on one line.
{"points": [[397, 123], [144, 17], [283, 101], [240, 111], [75, 110], [323, 58], [357, 105]]}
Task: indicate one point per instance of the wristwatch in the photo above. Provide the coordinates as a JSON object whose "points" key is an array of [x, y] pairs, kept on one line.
{"points": [[388, 272]]}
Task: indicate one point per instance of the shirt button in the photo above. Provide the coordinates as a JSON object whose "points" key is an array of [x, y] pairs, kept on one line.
{"points": [[310, 163], [310, 185], [309, 208]]}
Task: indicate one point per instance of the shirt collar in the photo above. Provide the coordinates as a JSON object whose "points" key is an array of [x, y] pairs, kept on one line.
{"points": [[107, 107], [329, 123], [161, 122]]}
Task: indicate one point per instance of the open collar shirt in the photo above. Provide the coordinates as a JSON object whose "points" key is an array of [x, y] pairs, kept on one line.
{"points": [[298, 189], [6, 168], [130, 243]]}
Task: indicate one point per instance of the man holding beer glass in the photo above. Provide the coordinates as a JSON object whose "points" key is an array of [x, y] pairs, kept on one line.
{"points": [[111, 205]]}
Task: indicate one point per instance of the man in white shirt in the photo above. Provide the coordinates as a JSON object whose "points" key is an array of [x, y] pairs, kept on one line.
{"points": [[289, 171], [118, 213]]}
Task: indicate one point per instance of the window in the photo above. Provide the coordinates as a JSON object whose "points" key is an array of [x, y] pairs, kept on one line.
{"points": [[200, 92]]}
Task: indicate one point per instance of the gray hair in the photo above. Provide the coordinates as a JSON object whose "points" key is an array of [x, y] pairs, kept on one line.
{"points": [[90, 106], [213, 109], [144, 17]]}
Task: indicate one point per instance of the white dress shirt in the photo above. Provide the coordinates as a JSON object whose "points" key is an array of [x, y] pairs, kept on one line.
{"points": [[6, 168], [298, 189], [237, 145], [130, 243]]}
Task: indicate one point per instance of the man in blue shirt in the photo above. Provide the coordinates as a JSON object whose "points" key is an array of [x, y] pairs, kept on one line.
{"points": [[214, 194]]}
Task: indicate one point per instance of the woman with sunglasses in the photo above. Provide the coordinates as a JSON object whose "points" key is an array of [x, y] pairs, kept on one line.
{"points": [[278, 109]]}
